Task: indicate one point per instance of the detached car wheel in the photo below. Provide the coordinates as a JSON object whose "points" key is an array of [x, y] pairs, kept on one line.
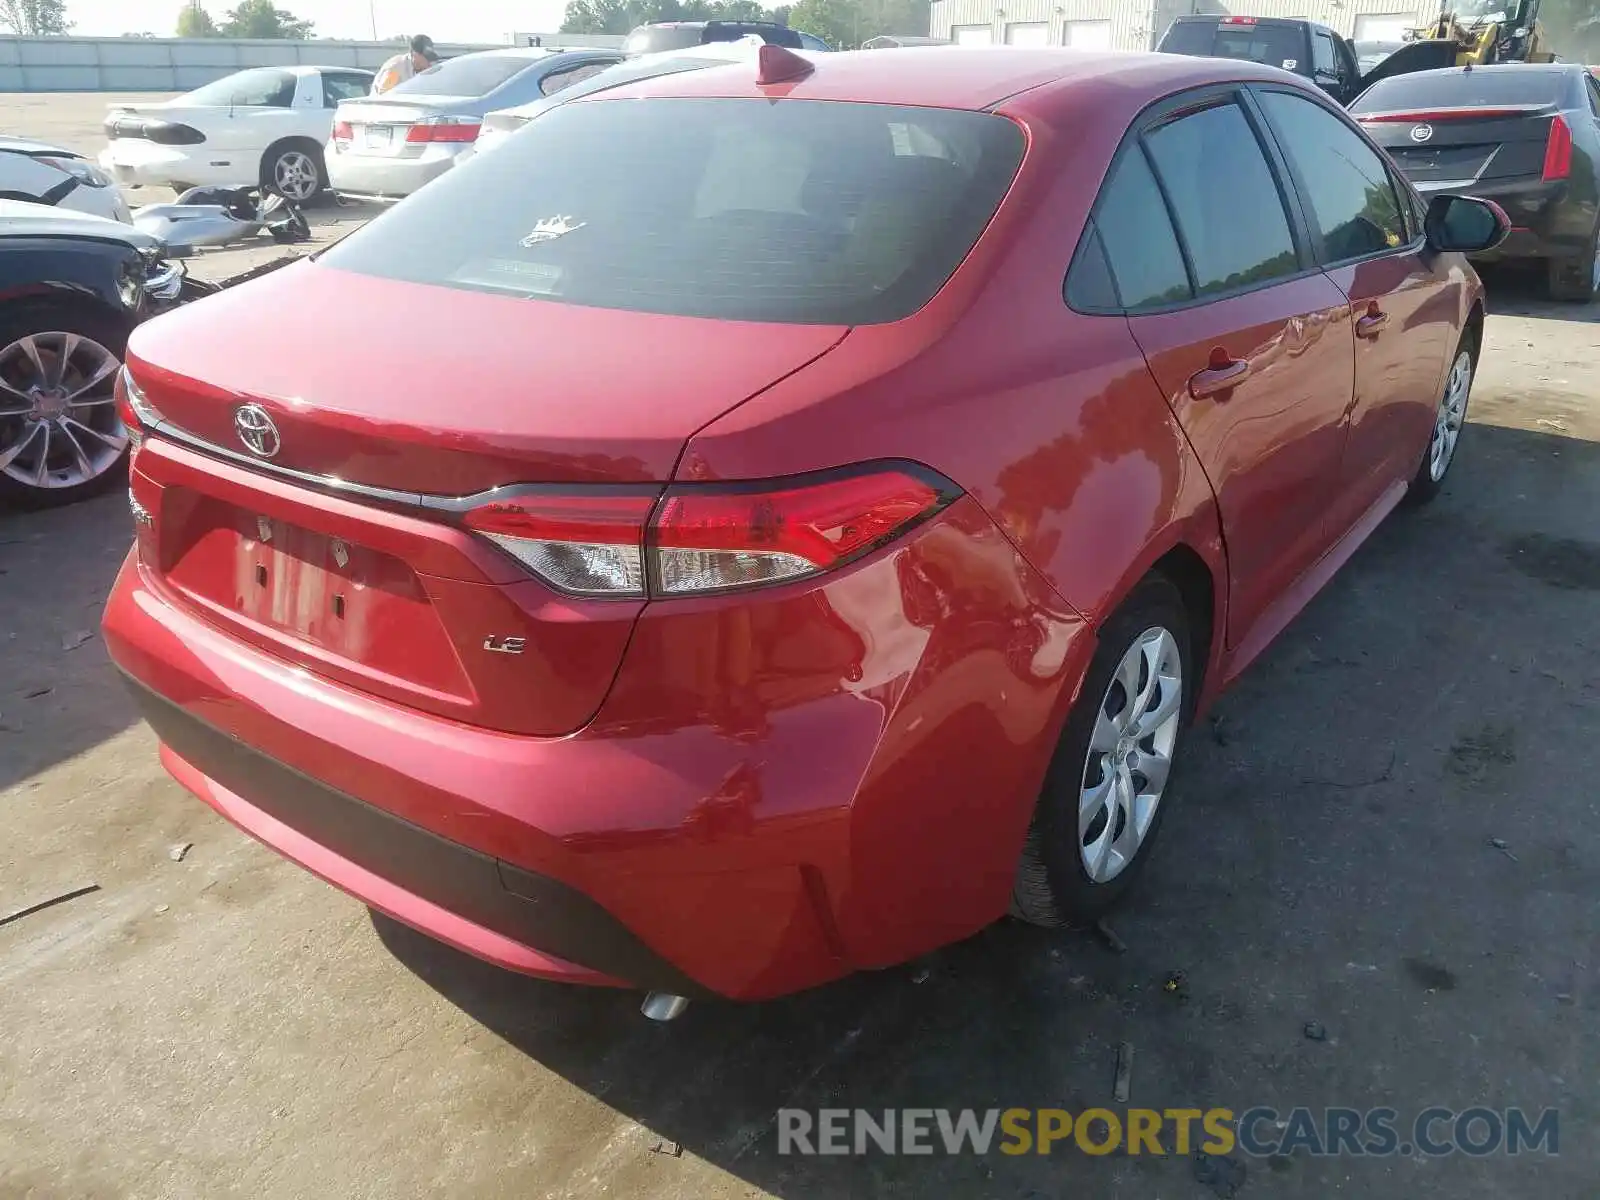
{"points": [[1103, 799], [60, 437]]}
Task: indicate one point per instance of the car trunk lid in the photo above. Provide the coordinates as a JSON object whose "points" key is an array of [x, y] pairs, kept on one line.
{"points": [[1438, 148], [428, 394]]}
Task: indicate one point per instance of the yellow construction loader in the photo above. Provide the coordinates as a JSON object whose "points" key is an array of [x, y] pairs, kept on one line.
{"points": [[1476, 32]]}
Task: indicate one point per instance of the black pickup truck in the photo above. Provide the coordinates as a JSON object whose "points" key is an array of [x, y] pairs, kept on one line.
{"points": [[1319, 53]]}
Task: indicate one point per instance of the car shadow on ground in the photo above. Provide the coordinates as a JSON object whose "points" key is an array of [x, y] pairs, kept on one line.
{"points": [[1376, 887], [58, 693]]}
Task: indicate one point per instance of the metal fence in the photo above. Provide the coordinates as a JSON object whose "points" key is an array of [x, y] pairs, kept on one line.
{"points": [[129, 64]]}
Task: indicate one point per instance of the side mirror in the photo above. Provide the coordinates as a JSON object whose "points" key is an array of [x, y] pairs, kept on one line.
{"points": [[1465, 224]]}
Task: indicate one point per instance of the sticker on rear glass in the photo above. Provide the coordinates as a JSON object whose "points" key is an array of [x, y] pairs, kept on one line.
{"points": [[551, 228], [1290, 64]]}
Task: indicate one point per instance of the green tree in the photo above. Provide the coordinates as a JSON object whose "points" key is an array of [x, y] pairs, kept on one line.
{"points": [[837, 22], [34, 18], [196, 22], [623, 16], [263, 19]]}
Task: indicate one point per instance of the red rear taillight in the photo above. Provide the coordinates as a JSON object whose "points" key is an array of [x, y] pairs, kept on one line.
{"points": [[133, 408], [1558, 151], [703, 538], [1238, 20], [444, 129], [706, 540], [342, 133], [587, 544]]}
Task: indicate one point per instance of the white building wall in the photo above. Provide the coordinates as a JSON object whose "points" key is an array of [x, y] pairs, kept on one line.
{"points": [[1139, 24]]}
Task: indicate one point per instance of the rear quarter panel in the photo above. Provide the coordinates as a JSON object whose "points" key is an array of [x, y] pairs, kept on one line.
{"points": [[1048, 418]]}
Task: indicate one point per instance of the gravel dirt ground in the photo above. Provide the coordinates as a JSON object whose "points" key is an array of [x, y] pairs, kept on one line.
{"points": [[228, 1025]]}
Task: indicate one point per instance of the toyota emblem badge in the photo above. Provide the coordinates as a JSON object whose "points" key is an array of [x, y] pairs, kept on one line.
{"points": [[1421, 133], [256, 430]]}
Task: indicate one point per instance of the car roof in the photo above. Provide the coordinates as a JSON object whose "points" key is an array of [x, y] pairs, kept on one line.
{"points": [[972, 77]]}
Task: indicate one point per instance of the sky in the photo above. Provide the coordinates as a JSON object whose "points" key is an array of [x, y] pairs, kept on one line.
{"points": [[449, 21]]}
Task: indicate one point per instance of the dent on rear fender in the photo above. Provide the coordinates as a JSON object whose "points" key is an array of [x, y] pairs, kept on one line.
{"points": [[889, 727]]}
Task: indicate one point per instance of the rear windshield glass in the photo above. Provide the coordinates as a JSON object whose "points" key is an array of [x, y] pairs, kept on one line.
{"points": [[652, 38], [262, 87], [799, 211], [1462, 89], [1275, 45], [469, 75]]}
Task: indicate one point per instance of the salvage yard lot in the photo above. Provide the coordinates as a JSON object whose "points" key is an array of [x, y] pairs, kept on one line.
{"points": [[1390, 830]]}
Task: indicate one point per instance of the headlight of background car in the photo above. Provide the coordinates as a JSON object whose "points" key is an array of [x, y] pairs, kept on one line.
{"points": [[81, 169], [130, 282]]}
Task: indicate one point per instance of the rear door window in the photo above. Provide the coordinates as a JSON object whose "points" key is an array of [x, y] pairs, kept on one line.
{"points": [[1225, 199], [810, 212], [1136, 231], [1352, 200]]}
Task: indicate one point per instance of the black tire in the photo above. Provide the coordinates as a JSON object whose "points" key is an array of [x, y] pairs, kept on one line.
{"points": [[1572, 279], [294, 146], [1052, 888], [21, 319], [1424, 486]]}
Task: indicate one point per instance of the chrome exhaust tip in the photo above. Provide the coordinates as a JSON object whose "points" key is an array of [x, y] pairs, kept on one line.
{"points": [[664, 1006]]}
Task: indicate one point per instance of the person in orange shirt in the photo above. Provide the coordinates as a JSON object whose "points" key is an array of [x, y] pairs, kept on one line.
{"points": [[404, 65]]}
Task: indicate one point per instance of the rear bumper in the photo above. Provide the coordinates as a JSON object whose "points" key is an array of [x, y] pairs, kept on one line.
{"points": [[133, 162], [372, 177], [1546, 222], [746, 816]]}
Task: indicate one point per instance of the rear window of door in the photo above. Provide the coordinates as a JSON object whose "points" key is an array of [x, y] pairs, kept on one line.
{"points": [[1352, 201], [1140, 247], [1229, 212], [807, 212]]}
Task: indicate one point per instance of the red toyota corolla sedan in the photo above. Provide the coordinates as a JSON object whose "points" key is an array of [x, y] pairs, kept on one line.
{"points": [[770, 521]]}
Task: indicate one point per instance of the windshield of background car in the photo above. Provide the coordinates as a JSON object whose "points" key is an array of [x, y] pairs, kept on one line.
{"points": [[1462, 89], [1274, 45], [795, 211], [263, 87], [469, 75]]}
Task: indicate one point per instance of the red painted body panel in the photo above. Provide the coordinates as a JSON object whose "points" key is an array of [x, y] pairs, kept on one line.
{"points": [[1271, 445], [442, 391], [773, 787]]}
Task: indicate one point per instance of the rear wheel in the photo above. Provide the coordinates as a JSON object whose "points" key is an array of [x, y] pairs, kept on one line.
{"points": [[294, 170], [60, 437], [1576, 278], [1103, 799]]}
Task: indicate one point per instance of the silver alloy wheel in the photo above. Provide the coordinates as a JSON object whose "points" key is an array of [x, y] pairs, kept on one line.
{"points": [[58, 419], [1130, 754], [294, 175], [1451, 416]]}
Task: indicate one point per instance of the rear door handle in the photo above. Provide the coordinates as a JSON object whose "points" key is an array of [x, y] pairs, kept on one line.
{"points": [[1221, 375], [1372, 322]]}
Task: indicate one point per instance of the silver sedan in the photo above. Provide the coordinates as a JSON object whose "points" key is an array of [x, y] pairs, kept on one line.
{"points": [[386, 147]]}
